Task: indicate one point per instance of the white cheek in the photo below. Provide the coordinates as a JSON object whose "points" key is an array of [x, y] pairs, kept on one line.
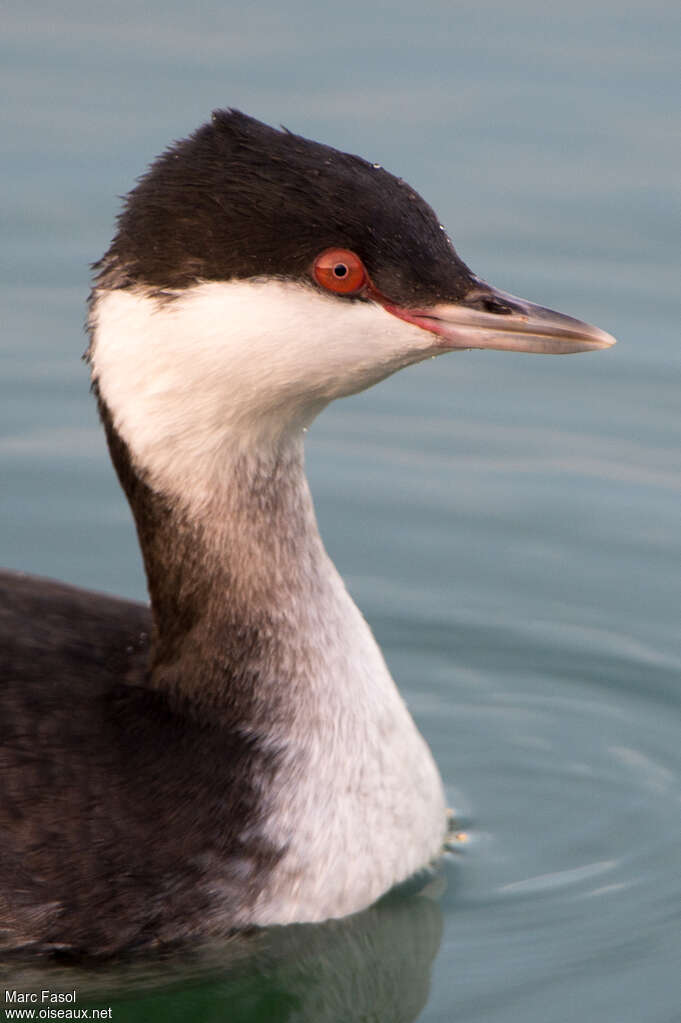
{"points": [[224, 363]]}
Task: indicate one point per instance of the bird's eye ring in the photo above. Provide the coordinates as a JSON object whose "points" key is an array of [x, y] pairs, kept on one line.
{"points": [[340, 271]]}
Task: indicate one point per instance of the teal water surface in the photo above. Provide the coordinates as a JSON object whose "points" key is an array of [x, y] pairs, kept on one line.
{"points": [[509, 524]]}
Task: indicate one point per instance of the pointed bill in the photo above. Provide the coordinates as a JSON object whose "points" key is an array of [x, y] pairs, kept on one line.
{"points": [[489, 318]]}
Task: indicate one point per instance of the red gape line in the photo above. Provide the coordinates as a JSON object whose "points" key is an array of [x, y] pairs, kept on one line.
{"points": [[344, 273]]}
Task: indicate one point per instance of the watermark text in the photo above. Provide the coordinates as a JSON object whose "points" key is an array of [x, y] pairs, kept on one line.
{"points": [[47, 1004]]}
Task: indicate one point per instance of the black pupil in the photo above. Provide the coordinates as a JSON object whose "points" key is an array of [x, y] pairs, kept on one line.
{"points": [[340, 270]]}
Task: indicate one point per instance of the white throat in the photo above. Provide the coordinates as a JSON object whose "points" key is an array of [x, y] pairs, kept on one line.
{"points": [[233, 367]]}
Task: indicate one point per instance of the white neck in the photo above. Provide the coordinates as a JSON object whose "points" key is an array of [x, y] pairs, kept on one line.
{"points": [[236, 554]]}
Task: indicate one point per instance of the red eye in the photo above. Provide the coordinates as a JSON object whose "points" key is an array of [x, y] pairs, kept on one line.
{"points": [[339, 270]]}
